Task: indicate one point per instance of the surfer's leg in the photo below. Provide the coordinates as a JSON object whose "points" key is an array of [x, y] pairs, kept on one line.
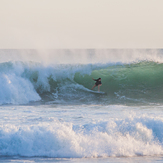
{"points": [[93, 86], [99, 87]]}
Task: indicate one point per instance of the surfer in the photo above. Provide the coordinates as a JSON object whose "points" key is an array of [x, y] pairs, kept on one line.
{"points": [[98, 83]]}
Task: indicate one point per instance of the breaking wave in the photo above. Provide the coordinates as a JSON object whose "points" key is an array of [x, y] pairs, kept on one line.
{"points": [[24, 82], [132, 136]]}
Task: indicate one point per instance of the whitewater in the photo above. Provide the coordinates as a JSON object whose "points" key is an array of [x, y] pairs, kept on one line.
{"points": [[48, 114]]}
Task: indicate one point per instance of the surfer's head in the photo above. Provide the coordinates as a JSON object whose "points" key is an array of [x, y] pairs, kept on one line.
{"points": [[99, 79]]}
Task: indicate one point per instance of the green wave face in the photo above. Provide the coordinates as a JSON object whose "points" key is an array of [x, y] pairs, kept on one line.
{"points": [[135, 82]]}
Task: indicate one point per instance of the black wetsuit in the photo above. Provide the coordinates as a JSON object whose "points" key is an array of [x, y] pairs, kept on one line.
{"points": [[97, 82]]}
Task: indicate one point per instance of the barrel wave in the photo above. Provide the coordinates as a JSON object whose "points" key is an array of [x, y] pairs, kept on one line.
{"points": [[25, 82]]}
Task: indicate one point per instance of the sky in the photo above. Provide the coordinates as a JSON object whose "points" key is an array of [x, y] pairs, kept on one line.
{"points": [[81, 24]]}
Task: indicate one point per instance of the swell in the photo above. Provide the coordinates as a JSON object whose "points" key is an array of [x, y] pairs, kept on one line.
{"points": [[23, 82]]}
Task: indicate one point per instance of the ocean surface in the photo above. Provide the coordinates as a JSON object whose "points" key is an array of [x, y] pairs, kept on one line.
{"points": [[48, 114]]}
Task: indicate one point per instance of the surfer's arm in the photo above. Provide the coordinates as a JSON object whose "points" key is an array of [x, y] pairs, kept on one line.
{"points": [[94, 79]]}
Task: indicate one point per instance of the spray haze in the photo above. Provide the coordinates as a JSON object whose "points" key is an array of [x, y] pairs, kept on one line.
{"points": [[83, 56]]}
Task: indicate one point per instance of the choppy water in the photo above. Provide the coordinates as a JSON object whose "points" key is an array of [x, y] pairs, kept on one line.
{"points": [[48, 114]]}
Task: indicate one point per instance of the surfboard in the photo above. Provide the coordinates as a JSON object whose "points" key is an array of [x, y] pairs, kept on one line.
{"points": [[96, 92]]}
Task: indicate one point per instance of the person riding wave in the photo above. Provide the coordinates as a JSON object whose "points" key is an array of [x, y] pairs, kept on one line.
{"points": [[98, 83]]}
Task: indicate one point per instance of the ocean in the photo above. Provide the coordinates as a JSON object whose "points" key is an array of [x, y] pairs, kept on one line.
{"points": [[48, 114]]}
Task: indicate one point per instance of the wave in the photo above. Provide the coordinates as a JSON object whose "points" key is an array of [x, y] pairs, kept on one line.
{"points": [[24, 82], [132, 136]]}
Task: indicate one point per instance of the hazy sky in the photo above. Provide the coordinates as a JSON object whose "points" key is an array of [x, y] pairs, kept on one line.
{"points": [[81, 24]]}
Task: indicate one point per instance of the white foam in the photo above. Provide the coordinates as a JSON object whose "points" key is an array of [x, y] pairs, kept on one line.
{"points": [[16, 90], [133, 136]]}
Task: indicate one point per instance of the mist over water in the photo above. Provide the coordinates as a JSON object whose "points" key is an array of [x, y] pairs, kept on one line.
{"points": [[81, 56]]}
